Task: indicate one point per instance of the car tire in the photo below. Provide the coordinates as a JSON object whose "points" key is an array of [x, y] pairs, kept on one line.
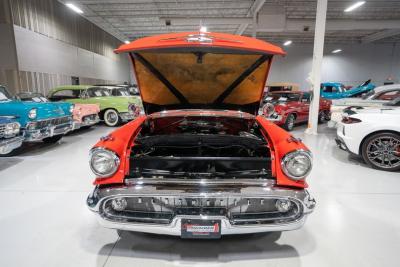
{"points": [[323, 116], [289, 123], [112, 118], [52, 140], [382, 151]]}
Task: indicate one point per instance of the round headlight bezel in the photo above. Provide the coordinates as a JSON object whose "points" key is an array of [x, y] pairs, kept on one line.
{"points": [[12, 128], [32, 114], [290, 156], [113, 157], [71, 108]]}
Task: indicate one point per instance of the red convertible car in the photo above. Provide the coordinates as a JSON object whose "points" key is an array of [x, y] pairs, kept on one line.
{"points": [[288, 108], [200, 163]]}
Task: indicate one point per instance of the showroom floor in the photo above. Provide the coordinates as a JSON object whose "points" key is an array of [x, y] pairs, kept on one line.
{"points": [[44, 220]]}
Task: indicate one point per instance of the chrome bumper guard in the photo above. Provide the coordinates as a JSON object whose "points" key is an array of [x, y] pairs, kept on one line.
{"points": [[39, 134], [9, 144], [243, 206], [88, 120], [127, 116]]}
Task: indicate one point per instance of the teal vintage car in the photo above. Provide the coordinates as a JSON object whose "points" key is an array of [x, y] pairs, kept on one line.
{"points": [[335, 90], [46, 122], [116, 104]]}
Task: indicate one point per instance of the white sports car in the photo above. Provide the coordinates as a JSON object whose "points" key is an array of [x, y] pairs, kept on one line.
{"points": [[374, 99], [373, 134]]}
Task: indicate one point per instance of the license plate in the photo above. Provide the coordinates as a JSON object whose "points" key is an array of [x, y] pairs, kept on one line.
{"points": [[200, 229]]}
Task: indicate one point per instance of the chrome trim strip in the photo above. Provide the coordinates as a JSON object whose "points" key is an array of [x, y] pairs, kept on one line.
{"points": [[175, 227]]}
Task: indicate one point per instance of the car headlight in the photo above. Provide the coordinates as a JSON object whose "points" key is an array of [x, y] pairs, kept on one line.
{"points": [[71, 108], [11, 129], [32, 113], [103, 162], [297, 164]]}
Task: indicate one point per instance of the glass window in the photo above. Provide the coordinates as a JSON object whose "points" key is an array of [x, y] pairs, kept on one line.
{"points": [[98, 92], [66, 94], [4, 95], [388, 95], [283, 97]]}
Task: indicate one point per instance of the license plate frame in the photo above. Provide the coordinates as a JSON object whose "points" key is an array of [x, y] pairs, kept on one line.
{"points": [[200, 229]]}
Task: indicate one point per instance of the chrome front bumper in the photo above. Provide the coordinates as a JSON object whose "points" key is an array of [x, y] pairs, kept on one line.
{"points": [[9, 144], [127, 116], [32, 135], [86, 121], [194, 200]]}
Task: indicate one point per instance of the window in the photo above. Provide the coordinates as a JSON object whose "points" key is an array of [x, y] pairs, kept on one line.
{"points": [[306, 98], [66, 94], [329, 89], [4, 95], [388, 95]]}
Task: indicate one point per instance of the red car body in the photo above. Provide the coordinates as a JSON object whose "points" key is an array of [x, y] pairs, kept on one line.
{"points": [[200, 158], [293, 109]]}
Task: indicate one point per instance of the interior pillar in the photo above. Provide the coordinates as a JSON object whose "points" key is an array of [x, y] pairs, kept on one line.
{"points": [[317, 65]]}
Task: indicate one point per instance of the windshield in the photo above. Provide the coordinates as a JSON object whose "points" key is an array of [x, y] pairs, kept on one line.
{"points": [[4, 95], [283, 97], [98, 92], [35, 97]]}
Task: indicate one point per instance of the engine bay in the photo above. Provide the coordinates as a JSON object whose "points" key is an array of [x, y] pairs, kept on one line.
{"points": [[200, 147]]}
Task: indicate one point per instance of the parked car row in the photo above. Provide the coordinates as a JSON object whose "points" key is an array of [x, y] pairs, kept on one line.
{"points": [[32, 117]]}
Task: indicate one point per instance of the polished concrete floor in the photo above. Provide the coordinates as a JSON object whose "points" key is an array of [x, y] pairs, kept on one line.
{"points": [[44, 220]]}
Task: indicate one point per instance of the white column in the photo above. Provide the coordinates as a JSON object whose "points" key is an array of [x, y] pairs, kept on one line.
{"points": [[317, 65]]}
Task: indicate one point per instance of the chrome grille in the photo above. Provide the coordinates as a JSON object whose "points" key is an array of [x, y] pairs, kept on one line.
{"points": [[2, 130], [53, 122], [239, 210]]}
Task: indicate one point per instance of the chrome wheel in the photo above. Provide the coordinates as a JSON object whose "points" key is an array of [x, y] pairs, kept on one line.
{"points": [[383, 151], [289, 124], [111, 117]]}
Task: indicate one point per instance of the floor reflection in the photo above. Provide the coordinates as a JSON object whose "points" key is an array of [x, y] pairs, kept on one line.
{"points": [[227, 249]]}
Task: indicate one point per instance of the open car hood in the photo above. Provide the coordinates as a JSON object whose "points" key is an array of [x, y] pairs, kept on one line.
{"points": [[201, 70]]}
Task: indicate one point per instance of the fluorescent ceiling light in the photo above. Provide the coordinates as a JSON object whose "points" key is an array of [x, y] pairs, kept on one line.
{"points": [[288, 42], [336, 51], [74, 8], [354, 6], [203, 29], [127, 42]]}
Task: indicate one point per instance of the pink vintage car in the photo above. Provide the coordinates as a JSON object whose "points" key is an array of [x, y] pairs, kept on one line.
{"points": [[85, 115]]}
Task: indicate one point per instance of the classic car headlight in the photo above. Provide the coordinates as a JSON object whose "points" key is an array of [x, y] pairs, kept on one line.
{"points": [[32, 113], [297, 164], [71, 108], [11, 129], [103, 162]]}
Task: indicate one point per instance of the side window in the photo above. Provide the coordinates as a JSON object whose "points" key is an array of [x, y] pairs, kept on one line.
{"points": [[66, 94], [305, 98], [391, 95], [329, 89]]}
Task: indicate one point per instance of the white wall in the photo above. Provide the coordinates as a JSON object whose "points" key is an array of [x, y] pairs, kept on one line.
{"points": [[355, 64], [39, 53]]}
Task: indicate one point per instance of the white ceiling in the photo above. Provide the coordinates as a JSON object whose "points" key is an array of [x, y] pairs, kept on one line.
{"points": [[376, 21]]}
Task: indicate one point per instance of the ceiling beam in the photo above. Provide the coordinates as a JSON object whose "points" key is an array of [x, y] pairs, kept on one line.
{"points": [[299, 25], [257, 5], [205, 20], [380, 35]]}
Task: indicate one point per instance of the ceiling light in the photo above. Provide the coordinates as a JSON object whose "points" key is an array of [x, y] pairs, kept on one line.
{"points": [[336, 51], [354, 6], [127, 42], [74, 8], [203, 29], [288, 42]]}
